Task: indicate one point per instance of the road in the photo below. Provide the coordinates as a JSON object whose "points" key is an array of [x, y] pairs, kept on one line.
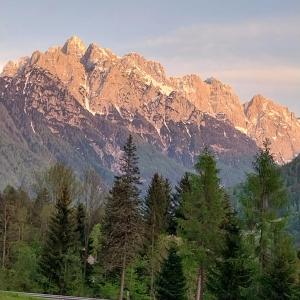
{"points": [[56, 297]]}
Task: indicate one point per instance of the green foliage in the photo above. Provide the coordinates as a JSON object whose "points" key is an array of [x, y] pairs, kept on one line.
{"points": [[16, 296], [23, 275], [171, 283], [157, 205], [263, 196], [157, 202], [279, 278], [109, 290], [203, 208], [203, 213], [291, 174], [4, 281], [264, 191], [190, 265], [175, 209], [123, 227], [138, 281], [96, 240], [58, 253], [49, 243], [231, 276], [15, 221]]}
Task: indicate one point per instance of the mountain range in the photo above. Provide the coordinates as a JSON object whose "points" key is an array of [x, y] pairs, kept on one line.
{"points": [[78, 104]]}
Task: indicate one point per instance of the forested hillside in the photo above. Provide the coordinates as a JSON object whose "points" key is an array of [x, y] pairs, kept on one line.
{"points": [[291, 173], [173, 243]]}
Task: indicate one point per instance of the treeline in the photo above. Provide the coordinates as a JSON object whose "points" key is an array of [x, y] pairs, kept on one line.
{"points": [[73, 238]]}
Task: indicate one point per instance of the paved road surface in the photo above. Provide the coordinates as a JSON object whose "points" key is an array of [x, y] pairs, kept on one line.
{"points": [[57, 297]]}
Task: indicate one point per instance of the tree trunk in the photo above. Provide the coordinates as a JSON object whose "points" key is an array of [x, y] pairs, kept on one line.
{"points": [[121, 297], [200, 284]]}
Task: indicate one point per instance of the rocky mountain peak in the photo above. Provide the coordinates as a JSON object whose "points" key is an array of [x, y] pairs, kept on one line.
{"points": [[74, 46], [108, 85], [194, 89], [257, 101], [260, 104], [13, 68], [225, 101], [267, 119], [153, 68], [96, 55]]}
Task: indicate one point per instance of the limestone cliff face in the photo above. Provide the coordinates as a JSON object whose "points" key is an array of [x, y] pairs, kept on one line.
{"points": [[176, 116]]}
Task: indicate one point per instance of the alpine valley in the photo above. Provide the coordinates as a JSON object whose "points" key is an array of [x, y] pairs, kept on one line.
{"points": [[78, 105]]}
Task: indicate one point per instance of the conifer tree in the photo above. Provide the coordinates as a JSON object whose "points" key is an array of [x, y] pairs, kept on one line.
{"points": [[231, 275], [279, 278], [60, 241], [123, 228], [157, 205], [171, 284], [176, 203], [264, 196], [202, 216]]}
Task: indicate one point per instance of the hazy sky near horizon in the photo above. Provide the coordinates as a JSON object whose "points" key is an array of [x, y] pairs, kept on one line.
{"points": [[252, 45]]}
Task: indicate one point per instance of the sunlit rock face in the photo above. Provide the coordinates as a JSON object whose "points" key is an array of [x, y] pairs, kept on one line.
{"points": [[79, 103], [267, 119]]}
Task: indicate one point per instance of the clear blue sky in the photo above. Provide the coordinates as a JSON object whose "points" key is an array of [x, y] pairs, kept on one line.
{"points": [[252, 45]]}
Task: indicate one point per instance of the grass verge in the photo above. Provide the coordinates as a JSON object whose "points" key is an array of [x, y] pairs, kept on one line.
{"points": [[15, 296]]}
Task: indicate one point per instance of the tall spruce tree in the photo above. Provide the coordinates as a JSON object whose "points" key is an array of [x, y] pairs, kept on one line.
{"points": [[176, 203], [156, 213], [231, 276], [54, 263], [123, 227], [202, 216], [171, 284], [264, 198]]}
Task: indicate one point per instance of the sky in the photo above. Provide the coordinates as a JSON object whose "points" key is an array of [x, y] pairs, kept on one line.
{"points": [[254, 46]]}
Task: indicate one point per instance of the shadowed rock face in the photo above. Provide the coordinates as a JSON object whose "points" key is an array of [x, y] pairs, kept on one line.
{"points": [[78, 104]]}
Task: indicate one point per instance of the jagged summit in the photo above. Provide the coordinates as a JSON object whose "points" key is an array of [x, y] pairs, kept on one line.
{"points": [[261, 103], [14, 67], [267, 119], [104, 84], [74, 46], [259, 100]]}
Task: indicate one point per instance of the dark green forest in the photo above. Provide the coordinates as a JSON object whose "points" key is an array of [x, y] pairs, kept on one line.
{"points": [[197, 240]]}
